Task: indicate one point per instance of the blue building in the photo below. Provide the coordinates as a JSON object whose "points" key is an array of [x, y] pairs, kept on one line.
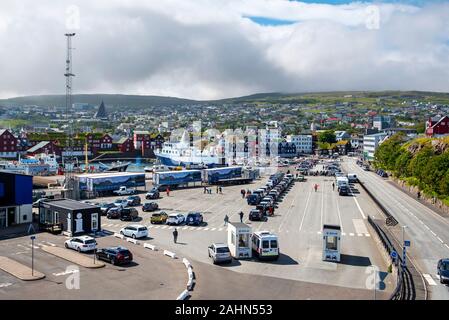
{"points": [[16, 198]]}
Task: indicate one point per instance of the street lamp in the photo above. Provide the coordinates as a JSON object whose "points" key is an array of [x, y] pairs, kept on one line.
{"points": [[403, 246]]}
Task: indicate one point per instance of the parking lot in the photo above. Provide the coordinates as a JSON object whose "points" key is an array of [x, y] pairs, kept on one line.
{"points": [[150, 276], [298, 220]]}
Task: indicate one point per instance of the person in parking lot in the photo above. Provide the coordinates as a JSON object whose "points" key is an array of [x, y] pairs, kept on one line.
{"points": [[217, 189], [242, 192], [241, 216], [315, 187], [205, 189], [175, 235], [221, 189], [168, 192], [333, 186], [226, 219]]}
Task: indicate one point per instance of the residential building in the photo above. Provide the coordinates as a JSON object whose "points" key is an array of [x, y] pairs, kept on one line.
{"points": [[125, 145], [342, 135], [16, 195], [371, 143], [383, 122], [47, 147], [302, 142], [437, 126], [343, 147], [287, 149], [8, 144]]}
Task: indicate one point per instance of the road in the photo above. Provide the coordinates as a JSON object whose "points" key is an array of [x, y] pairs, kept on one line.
{"points": [[298, 222], [427, 230]]}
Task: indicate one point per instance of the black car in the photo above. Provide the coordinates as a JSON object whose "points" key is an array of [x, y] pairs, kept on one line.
{"points": [[194, 218], [128, 214], [343, 190], [113, 213], [150, 206], [105, 207], [115, 255], [152, 194], [443, 270], [253, 199], [133, 200], [256, 214]]}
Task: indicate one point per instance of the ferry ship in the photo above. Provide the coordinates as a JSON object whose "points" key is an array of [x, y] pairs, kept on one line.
{"points": [[174, 154]]}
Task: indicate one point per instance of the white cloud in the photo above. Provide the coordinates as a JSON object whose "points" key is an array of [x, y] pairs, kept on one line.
{"points": [[206, 49]]}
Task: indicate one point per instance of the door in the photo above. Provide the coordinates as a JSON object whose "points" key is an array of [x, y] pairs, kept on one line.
{"points": [[3, 218], [94, 222], [11, 216]]}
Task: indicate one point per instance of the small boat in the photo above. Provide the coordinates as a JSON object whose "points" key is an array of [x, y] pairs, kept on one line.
{"points": [[115, 166]]}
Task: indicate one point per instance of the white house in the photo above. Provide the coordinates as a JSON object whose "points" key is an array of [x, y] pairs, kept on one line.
{"points": [[303, 142], [371, 143]]}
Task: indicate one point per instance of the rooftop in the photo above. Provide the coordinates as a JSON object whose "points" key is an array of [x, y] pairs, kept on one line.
{"points": [[69, 204]]}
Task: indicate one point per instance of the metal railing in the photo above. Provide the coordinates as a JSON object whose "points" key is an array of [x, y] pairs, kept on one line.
{"points": [[405, 287]]}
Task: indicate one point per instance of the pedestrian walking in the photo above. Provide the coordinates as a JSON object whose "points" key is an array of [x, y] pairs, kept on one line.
{"points": [[241, 216], [419, 195], [221, 190], [315, 187], [333, 186], [168, 192], [217, 189], [226, 220], [205, 189], [242, 192], [175, 235]]}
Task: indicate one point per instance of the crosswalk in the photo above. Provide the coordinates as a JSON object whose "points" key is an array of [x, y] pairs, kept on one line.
{"points": [[26, 247], [430, 280]]}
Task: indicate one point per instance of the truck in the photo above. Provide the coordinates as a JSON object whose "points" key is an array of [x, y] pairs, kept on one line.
{"points": [[175, 179], [123, 190], [218, 175], [342, 181]]}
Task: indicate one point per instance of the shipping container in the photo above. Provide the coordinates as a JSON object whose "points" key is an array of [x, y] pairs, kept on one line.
{"points": [[170, 178]]}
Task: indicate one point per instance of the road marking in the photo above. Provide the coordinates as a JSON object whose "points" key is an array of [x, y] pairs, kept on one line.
{"points": [[359, 226], [429, 279], [358, 205], [305, 210], [220, 229], [65, 272], [213, 229], [359, 234], [433, 233], [367, 235], [343, 233], [446, 246], [439, 239], [322, 205], [169, 228], [351, 234], [51, 244], [157, 227], [164, 227], [185, 228], [205, 229], [6, 284], [318, 232]]}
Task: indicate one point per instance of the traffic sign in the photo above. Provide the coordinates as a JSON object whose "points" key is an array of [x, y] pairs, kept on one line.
{"points": [[394, 254], [406, 243], [33, 237]]}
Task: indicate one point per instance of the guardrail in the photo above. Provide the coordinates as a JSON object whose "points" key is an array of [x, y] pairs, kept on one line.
{"points": [[390, 221], [405, 287]]}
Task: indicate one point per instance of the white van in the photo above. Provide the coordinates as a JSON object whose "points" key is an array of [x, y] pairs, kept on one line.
{"points": [[342, 181], [352, 177], [265, 245]]}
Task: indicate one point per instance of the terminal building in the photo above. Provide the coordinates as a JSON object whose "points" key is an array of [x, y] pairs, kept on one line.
{"points": [[15, 199]]}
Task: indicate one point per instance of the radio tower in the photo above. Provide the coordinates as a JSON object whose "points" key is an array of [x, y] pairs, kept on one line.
{"points": [[68, 161]]}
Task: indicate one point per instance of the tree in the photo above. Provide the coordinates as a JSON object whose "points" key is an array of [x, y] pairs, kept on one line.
{"points": [[327, 136]]}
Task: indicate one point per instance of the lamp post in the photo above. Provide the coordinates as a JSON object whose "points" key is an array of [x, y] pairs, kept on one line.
{"points": [[32, 254], [403, 247]]}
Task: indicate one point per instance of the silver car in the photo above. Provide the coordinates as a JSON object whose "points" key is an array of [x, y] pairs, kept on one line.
{"points": [[219, 252]]}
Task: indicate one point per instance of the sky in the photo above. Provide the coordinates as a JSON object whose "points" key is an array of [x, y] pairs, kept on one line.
{"points": [[212, 49]]}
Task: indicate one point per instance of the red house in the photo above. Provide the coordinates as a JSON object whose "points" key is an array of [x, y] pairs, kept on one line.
{"points": [[437, 127], [47, 147], [125, 145], [8, 145]]}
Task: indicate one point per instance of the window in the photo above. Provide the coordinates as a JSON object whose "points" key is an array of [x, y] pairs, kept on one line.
{"points": [[331, 243], [265, 244], [94, 221]]}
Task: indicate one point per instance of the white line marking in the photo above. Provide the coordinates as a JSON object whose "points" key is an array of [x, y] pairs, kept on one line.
{"points": [[359, 234], [318, 232], [164, 227], [157, 227], [205, 229], [367, 235], [351, 234], [305, 210], [185, 228], [65, 272], [6, 284], [429, 279], [213, 229], [358, 205], [439, 239], [343, 233], [446, 246], [433, 233], [220, 229]]}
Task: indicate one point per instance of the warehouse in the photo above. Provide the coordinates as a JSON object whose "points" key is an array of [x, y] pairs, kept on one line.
{"points": [[15, 199]]}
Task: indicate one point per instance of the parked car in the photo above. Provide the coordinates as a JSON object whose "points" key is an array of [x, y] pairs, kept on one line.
{"points": [[128, 214], [152, 194], [133, 200], [150, 206], [219, 252], [135, 231], [115, 255], [123, 191], [253, 199], [194, 218], [122, 203], [443, 270], [160, 217], [175, 218], [256, 214], [104, 207], [81, 243], [114, 213]]}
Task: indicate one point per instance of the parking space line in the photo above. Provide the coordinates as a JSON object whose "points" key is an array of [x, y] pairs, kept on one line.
{"points": [[205, 229], [359, 234], [213, 229], [220, 229], [305, 210], [367, 235], [351, 234]]}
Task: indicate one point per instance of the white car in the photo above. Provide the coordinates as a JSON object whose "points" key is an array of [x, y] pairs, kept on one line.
{"points": [[81, 244], [175, 218], [135, 231]]}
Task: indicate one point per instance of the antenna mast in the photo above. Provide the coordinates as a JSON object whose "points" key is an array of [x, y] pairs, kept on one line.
{"points": [[69, 163]]}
